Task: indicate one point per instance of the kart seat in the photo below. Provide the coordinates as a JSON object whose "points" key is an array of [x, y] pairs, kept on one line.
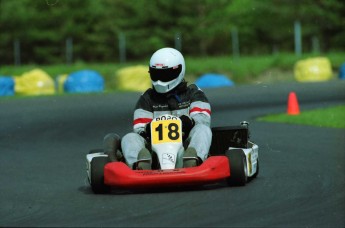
{"points": [[225, 137]]}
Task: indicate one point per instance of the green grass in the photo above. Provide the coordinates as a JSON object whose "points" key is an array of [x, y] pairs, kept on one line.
{"points": [[333, 117], [244, 70], [250, 69]]}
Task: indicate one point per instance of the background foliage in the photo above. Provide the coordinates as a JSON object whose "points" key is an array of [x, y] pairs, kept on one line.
{"points": [[204, 26]]}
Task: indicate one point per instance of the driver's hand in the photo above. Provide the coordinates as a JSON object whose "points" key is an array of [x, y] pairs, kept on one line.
{"points": [[187, 125], [148, 129], [146, 134]]}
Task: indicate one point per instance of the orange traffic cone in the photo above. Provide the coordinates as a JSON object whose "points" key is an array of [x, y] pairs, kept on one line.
{"points": [[293, 107]]}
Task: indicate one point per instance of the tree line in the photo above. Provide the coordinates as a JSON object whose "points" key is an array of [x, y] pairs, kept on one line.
{"points": [[100, 30]]}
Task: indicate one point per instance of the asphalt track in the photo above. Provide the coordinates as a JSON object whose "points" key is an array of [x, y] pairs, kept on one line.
{"points": [[43, 142]]}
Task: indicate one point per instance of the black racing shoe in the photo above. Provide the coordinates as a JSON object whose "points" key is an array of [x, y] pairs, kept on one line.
{"points": [[190, 158], [111, 145], [144, 159]]}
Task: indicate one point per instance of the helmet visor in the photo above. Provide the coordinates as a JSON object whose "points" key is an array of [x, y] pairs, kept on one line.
{"points": [[165, 74]]}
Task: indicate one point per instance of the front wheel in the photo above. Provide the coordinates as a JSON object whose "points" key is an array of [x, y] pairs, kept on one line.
{"points": [[97, 175], [238, 167]]}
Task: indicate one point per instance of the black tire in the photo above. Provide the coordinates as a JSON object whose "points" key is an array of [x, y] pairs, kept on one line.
{"points": [[257, 169], [97, 175], [238, 167]]}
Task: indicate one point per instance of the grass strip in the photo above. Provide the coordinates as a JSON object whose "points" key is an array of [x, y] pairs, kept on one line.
{"points": [[333, 117]]}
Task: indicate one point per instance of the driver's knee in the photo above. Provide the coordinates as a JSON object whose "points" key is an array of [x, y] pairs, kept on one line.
{"points": [[201, 130]]}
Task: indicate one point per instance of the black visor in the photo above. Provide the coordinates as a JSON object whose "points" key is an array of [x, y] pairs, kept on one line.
{"points": [[165, 74]]}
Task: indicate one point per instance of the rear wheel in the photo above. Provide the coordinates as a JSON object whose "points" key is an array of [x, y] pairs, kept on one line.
{"points": [[238, 167], [257, 169], [97, 175]]}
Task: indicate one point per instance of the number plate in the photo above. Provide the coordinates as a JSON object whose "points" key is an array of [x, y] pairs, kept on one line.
{"points": [[166, 131]]}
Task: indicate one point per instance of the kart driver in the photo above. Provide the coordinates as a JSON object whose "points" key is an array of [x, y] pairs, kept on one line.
{"points": [[169, 95]]}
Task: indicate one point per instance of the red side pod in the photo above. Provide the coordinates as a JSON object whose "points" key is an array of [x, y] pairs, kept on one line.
{"points": [[118, 174]]}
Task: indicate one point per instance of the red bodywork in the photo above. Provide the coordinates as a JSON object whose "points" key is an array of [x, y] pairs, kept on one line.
{"points": [[118, 174]]}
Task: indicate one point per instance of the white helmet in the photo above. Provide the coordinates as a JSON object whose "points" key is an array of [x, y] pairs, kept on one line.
{"points": [[167, 68]]}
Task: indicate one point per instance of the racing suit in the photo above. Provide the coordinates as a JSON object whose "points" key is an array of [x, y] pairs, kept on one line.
{"points": [[182, 100]]}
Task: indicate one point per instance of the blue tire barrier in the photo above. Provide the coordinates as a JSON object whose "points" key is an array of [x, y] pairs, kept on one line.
{"points": [[213, 81], [84, 81], [6, 86]]}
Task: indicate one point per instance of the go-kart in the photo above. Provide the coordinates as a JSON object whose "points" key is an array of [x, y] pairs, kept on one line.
{"points": [[232, 157]]}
